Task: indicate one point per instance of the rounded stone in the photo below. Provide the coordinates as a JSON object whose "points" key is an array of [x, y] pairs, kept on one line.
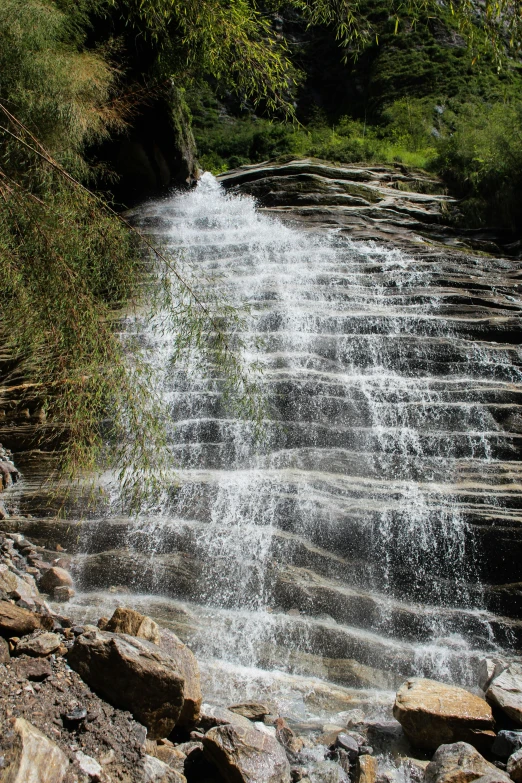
{"points": [[432, 713]]}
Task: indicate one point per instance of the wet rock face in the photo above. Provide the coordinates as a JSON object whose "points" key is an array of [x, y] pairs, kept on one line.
{"points": [[245, 755], [381, 203], [432, 713], [132, 674]]}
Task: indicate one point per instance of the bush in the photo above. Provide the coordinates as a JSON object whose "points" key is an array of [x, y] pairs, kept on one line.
{"points": [[71, 267], [481, 159]]}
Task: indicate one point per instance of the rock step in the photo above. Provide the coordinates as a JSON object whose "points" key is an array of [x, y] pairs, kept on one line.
{"points": [[301, 589], [296, 644], [287, 548], [181, 575]]}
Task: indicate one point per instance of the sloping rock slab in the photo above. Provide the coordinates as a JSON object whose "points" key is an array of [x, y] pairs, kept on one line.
{"points": [[460, 763], [252, 710], [245, 755], [132, 674], [505, 692], [432, 713]]}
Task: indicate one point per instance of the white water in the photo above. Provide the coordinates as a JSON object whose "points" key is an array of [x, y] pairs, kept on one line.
{"points": [[344, 537]]}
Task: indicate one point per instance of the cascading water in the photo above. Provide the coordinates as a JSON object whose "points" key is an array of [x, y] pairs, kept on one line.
{"points": [[341, 549]]}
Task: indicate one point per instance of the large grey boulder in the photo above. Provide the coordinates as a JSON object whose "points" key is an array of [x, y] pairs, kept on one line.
{"points": [[460, 763], [433, 713], [245, 755], [505, 692], [132, 674], [32, 757]]}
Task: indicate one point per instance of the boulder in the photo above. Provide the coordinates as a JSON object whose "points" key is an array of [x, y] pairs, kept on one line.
{"points": [[187, 665], [133, 623], [252, 710], [170, 755], [514, 766], [55, 577], [132, 674], [349, 744], [211, 716], [245, 755], [88, 765], [63, 593], [489, 668], [32, 757], [16, 621], [284, 734], [366, 769], [459, 763], [505, 692], [20, 588], [506, 743], [156, 771], [4, 651], [8, 580], [38, 646], [432, 713]]}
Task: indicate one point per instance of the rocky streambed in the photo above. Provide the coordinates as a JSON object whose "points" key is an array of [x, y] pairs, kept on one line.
{"points": [[122, 701]]}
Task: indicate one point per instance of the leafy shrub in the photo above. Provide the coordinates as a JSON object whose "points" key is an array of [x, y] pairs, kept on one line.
{"points": [[481, 159]]}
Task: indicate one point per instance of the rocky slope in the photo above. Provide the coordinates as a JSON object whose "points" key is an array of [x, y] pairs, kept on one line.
{"points": [[389, 204], [122, 701]]}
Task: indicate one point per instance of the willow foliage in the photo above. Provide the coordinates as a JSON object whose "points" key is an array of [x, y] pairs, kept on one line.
{"points": [[72, 268]]}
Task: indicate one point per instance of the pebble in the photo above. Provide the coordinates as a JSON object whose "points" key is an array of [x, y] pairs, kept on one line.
{"points": [[76, 716]]}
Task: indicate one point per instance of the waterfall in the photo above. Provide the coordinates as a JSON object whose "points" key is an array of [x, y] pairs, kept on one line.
{"points": [[341, 549]]}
